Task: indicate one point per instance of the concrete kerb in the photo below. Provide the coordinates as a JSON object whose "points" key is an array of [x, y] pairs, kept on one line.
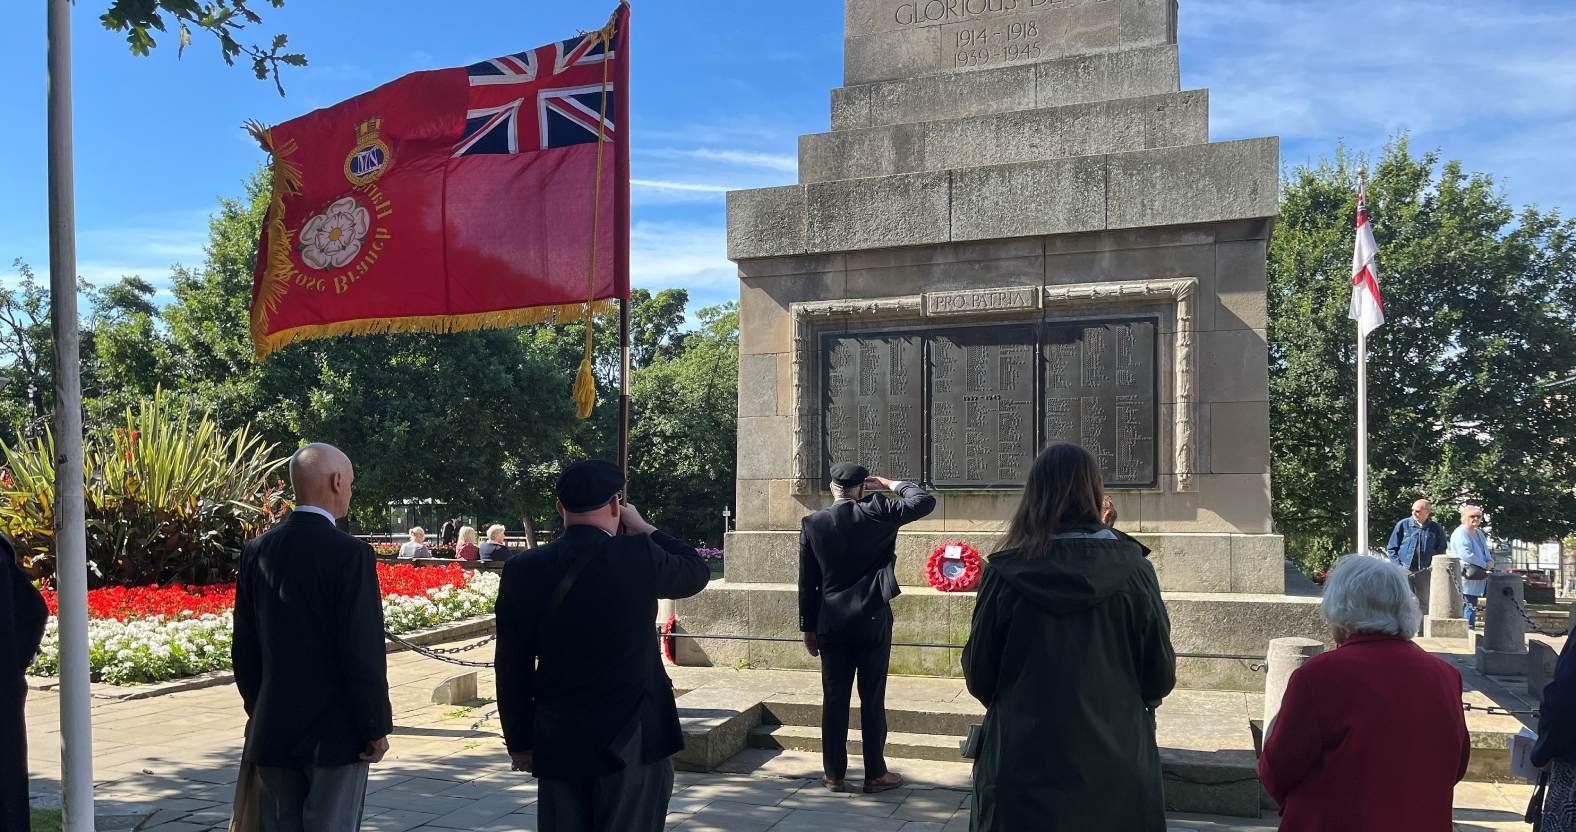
{"points": [[469, 628]]}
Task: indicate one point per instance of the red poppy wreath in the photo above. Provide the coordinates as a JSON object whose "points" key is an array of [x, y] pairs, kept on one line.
{"points": [[954, 567]]}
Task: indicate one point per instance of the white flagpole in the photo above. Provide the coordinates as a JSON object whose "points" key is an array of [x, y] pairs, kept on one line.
{"points": [[1362, 441], [1362, 406], [71, 571]]}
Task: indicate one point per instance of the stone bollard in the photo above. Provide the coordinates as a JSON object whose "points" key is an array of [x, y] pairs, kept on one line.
{"points": [[456, 690], [1541, 660], [1285, 655], [1444, 599], [1503, 649], [1423, 587]]}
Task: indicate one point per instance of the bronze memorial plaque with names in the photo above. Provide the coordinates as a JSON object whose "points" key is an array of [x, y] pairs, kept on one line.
{"points": [[873, 398], [970, 407], [982, 413], [1100, 387]]}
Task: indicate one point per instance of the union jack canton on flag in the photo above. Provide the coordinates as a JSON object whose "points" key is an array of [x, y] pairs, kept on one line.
{"points": [[558, 87]]}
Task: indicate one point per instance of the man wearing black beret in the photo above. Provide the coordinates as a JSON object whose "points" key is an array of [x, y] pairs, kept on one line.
{"points": [[847, 579], [585, 703]]}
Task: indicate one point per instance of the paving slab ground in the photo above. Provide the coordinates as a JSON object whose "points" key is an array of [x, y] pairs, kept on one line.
{"points": [[168, 764]]}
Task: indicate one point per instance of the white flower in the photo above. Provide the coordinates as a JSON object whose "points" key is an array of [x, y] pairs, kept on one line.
{"points": [[333, 238]]}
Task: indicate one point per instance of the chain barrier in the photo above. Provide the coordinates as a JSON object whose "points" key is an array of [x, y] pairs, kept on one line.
{"points": [[442, 654], [1498, 711], [1531, 625], [1255, 664]]}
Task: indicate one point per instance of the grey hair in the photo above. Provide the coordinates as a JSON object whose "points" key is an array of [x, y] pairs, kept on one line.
{"points": [[1367, 594], [841, 491]]}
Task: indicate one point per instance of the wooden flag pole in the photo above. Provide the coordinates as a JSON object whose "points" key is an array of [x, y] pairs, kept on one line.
{"points": [[623, 386]]}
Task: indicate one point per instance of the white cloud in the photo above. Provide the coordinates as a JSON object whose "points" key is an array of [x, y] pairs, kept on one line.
{"points": [[734, 158], [1490, 84], [693, 256], [691, 187]]}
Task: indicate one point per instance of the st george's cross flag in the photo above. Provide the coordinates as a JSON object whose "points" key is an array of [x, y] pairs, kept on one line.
{"points": [[1367, 307], [453, 199]]}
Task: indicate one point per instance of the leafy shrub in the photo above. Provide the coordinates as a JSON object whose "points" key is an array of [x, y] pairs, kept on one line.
{"points": [[168, 497], [1313, 554]]}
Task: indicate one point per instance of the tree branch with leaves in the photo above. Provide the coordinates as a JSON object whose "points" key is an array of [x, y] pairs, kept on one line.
{"points": [[223, 19]]}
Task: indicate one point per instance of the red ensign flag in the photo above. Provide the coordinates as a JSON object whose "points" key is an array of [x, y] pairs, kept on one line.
{"points": [[485, 196]]}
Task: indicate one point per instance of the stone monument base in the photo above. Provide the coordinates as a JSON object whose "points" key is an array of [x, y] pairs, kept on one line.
{"points": [[1201, 622], [1184, 562], [1444, 627], [1501, 662]]}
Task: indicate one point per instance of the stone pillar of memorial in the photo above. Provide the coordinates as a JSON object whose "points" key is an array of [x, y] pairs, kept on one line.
{"points": [[1284, 656], [1015, 232]]}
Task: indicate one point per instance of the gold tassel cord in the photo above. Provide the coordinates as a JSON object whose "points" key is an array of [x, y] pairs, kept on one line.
{"points": [[585, 380]]}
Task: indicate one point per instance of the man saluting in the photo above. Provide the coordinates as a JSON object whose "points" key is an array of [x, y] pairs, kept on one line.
{"points": [[847, 577], [583, 698]]}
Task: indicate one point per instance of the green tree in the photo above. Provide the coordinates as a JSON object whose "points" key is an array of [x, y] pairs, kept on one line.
{"points": [[128, 355], [1479, 303], [223, 19], [683, 430], [26, 357]]}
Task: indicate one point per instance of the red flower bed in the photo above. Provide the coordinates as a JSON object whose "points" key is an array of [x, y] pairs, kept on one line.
{"points": [[123, 603], [409, 579], [126, 603]]}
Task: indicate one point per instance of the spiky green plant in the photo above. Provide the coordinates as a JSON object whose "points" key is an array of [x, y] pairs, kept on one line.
{"points": [[168, 496]]}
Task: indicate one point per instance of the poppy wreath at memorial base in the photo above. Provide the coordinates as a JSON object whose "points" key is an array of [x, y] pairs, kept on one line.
{"points": [[954, 567]]}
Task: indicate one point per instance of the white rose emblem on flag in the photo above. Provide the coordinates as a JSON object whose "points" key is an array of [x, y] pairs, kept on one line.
{"points": [[332, 238]]}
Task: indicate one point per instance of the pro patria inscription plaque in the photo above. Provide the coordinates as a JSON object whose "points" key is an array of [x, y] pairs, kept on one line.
{"points": [[969, 407]]}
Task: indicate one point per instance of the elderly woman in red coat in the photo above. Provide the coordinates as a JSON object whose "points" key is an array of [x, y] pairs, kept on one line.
{"points": [[1370, 735]]}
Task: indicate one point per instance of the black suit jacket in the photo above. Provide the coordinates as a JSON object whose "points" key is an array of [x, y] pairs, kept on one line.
{"points": [[309, 654], [572, 688], [848, 559]]}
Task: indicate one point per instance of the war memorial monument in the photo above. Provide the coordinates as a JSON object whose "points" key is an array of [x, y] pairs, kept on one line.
{"points": [[1017, 232]]}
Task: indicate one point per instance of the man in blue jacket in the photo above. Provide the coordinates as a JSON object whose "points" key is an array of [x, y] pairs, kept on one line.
{"points": [[1416, 539]]}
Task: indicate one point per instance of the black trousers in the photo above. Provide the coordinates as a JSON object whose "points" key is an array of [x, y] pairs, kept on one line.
{"points": [[632, 799], [842, 661], [14, 809]]}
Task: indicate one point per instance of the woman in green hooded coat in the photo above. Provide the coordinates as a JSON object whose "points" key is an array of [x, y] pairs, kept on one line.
{"points": [[1070, 653]]}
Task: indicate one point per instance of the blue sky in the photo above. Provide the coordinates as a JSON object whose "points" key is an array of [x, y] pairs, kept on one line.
{"points": [[723, 88]]}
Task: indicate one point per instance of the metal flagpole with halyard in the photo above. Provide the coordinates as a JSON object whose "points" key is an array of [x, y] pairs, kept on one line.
{"points": [[1367, 309]]}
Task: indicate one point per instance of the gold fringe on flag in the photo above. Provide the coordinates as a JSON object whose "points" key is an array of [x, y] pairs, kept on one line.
{"points": [[286, 176], [438, 324]]}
